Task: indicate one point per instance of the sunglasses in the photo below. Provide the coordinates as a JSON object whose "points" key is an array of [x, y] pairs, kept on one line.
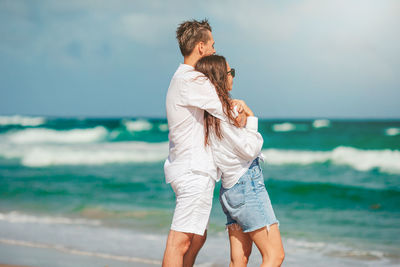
{"points": [[232, 72]]}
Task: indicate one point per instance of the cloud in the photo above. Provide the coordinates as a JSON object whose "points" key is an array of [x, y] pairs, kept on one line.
{"points": [[72, 32], [314, 48], [145, 28], [357, 39]]}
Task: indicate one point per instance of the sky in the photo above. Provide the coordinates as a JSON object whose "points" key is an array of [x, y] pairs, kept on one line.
{"points": [[293, 59]]}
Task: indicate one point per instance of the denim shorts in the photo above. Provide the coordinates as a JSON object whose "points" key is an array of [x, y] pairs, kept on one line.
{"points": [[247, 203]]}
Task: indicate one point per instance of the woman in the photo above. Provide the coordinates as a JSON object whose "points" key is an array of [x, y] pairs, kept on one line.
{"points": [[243, 196]]}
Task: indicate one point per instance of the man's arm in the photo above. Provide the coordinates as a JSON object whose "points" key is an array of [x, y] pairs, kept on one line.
{"points": [[199, 92]]}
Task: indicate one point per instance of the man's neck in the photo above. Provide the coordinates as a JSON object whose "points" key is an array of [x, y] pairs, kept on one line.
{"points": [[190, 60]]}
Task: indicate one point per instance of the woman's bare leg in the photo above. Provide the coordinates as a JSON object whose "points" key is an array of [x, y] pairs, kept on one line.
{"points": [[269, 243], [240, 246]]}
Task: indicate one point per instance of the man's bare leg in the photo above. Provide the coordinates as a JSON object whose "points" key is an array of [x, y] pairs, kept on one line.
{"points": [[197, 243], [178, 244]]}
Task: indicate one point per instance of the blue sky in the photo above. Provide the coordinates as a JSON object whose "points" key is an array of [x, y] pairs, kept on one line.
{"points": [[294, 59]]}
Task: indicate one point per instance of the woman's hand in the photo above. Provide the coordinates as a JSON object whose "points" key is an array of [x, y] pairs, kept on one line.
{"points": [[241, 107], [241, 120]]}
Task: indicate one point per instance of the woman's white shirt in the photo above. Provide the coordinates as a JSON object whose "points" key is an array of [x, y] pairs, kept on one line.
{"points": [[234, 153]]}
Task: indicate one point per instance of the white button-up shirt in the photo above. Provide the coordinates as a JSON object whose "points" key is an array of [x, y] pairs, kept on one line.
{"points": [[189, 94], [234, 153]]}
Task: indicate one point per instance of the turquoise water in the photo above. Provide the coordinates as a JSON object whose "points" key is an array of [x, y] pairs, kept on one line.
{"points": [[330, 181]]}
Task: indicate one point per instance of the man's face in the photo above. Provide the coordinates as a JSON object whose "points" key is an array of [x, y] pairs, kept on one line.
{"points": [[209, 46]]}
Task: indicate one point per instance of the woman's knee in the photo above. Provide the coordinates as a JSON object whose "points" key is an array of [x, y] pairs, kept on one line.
{"points": [[280, 256], [238, 261], [276, 257], [241, 259]]}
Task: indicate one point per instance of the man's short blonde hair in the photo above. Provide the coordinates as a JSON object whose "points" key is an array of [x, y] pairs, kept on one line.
{"points": [[189, 33]]}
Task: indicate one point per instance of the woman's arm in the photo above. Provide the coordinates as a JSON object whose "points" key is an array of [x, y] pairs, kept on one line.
{"points": [[246, 142]]}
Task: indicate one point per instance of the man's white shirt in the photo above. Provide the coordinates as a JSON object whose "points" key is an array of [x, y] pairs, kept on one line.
{"points": [[189, 94]]}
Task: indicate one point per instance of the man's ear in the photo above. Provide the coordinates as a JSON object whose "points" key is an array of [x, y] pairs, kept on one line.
{"points": [[201, 48]]}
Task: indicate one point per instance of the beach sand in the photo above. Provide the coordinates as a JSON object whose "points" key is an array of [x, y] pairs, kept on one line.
{"points": [[129, 248], [66, 245], [37, 257]]}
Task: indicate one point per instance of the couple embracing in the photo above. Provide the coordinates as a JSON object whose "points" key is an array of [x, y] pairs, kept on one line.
{"points": [[212, 136]]}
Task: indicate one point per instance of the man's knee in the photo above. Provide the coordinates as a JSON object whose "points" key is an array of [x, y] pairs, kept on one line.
{"points": [[184, 246], [179, 241], [191, 254], [200, 239]]}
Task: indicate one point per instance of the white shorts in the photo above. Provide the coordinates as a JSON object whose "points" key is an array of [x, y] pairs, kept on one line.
{"points": [[194, 195]]}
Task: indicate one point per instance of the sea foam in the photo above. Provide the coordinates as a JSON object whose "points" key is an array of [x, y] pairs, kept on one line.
{"points": [[138, 125], [321, 123], [22, 120], [85, 153], [17, 217], [163, 127], [289, 127], [362, 160], [43, 135], [392, 131], [44, 147]]}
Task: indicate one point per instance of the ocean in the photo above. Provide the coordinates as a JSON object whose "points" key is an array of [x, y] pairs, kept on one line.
{"points": [[91, 192]]}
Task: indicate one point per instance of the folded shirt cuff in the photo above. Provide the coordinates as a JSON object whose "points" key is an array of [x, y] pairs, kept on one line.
{"points": [[235, 113], [252, 123]]}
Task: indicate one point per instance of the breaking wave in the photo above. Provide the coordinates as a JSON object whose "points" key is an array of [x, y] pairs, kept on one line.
{"points": [[86, 154], [362, 160], [21, 120], [43, 135]]}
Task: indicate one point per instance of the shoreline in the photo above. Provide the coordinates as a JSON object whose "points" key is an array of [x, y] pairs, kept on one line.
{"points": [[69, 252], [78, 245]]}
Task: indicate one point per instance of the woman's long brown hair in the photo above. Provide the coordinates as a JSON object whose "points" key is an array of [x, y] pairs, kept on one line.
{"points": [[214, 67]]}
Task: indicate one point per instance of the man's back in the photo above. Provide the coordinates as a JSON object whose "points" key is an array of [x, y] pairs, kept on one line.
{"points": [[189, 94]]}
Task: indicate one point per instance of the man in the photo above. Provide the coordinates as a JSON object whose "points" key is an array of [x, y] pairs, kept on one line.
{"points": [[190, 168]]}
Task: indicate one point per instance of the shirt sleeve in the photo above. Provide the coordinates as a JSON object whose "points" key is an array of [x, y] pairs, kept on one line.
{"points": [[252, 123], [246, 142], [199, 92]]}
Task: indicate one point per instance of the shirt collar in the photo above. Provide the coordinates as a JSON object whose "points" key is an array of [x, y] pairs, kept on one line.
{"points": [[186, 66]]}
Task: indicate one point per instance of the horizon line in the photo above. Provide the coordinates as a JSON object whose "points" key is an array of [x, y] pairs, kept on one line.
{"points": [[164, 118]]}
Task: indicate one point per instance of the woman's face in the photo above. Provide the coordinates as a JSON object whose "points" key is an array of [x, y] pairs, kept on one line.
{"points": [[230, 78]]}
